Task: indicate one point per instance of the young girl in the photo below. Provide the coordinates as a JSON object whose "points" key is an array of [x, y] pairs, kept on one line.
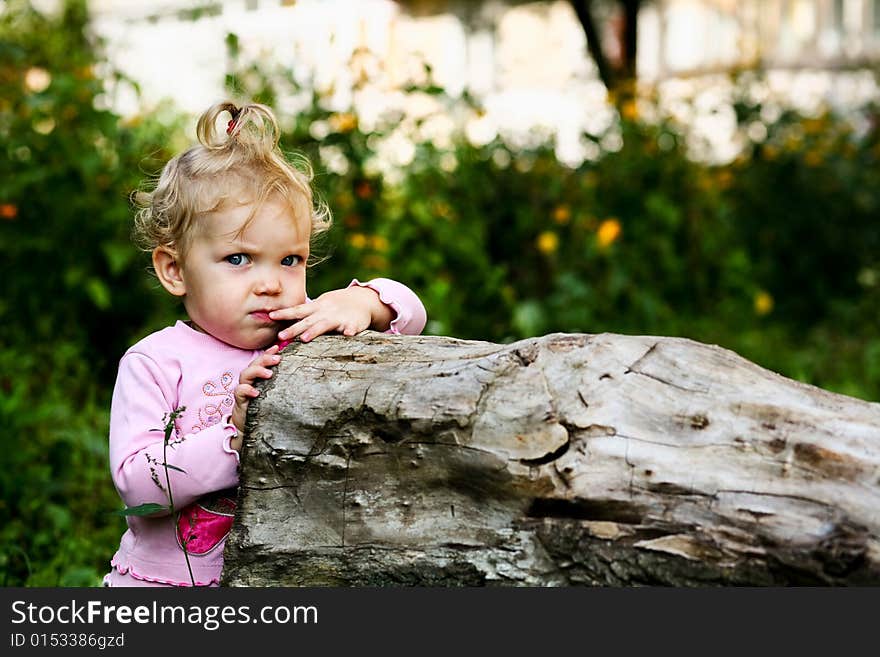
{"points": [[229, 226]]}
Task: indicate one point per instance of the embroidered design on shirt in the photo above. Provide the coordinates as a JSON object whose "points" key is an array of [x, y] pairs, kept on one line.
{"points": [[213, 411]]}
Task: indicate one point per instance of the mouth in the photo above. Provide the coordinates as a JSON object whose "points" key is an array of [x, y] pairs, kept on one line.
{"points": [[262, 316]]}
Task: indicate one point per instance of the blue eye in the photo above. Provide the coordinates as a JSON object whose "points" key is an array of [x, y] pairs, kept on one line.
{"points": [[291, 261], [236, 259]]}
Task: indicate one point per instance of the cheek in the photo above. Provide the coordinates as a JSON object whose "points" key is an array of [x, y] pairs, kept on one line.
{"points": [[220, 292], [295, 287]]}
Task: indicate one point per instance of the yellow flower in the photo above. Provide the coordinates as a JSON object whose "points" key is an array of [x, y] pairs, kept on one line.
{"points": [[345, 122], [763, 303], [379, 243], [358, 240], [84, 73], [562, 214], [8, 211], [547, 242], [813, 126], [793, 142], [629, 111], [609, 231]]}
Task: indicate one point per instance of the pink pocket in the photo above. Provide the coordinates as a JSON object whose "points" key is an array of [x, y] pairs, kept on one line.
{"points": [[204, 524]]}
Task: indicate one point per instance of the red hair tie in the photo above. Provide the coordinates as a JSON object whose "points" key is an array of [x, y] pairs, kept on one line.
{"points": [[231, 125]]}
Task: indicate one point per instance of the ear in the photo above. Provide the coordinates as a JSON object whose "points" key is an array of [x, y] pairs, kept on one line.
{"points": [[168, 268]]}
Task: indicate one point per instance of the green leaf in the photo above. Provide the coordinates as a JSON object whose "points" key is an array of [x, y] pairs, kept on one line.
{"points": [[118, 255], [142, 510], [174, 467], [528, 318], [98, 292]]}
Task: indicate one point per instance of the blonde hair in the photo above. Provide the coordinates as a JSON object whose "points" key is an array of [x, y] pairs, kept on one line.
{"points": [[201, 180]]}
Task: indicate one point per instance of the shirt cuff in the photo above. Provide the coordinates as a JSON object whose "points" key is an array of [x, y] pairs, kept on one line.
{"points": [[230, 432], [390, 293]]}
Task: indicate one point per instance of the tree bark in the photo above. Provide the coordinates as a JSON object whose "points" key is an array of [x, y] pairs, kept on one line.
{"points": [[584, 12], [618, 75], [569, 459]]}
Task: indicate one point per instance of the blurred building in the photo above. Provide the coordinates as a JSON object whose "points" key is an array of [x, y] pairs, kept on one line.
{"points": [[527, 61]]}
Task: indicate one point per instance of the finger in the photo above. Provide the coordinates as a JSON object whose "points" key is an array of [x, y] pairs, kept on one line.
{"points": [[244, 392], [293, 330], [254, 372], [355, 327], [319, 328], [263, 373], [268, 360], [294, 312], [300, 327]]}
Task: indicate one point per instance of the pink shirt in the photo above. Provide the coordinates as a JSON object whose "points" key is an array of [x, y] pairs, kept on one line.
{"points": [[181, 367]]}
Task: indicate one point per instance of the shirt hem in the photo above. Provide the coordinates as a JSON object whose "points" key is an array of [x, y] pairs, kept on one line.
{"points": [[129, 570]]}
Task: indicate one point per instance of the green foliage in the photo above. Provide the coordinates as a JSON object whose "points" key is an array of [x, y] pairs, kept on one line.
{"points": [[65, 178], [55, 492], [73, 294], [773, 255], [820, 177]]}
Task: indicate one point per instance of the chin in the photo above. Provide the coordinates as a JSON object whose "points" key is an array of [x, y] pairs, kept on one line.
{"points": [[256, 344], [252, 342]]}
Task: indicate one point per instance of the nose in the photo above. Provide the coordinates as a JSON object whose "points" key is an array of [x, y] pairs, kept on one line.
{"points": [[269, 283]]}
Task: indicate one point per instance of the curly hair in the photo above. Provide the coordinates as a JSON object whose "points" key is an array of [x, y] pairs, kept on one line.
{"points": [[243, 166]]}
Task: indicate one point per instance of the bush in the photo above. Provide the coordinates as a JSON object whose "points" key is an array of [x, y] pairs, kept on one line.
{"points": [[56, 527], [65, 180], [74, 295]]}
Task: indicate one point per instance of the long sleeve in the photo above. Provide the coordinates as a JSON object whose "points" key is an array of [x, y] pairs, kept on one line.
{"points": [[142, 399], [411, 315]]}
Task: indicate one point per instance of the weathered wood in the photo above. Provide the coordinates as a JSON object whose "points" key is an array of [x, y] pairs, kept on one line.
{"points": [[567, 459]]}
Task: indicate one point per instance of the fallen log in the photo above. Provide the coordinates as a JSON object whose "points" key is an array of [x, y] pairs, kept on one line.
{"points": [[569, 459]]}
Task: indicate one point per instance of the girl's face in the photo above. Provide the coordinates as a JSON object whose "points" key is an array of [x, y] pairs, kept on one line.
{"points": [[231, 279]]}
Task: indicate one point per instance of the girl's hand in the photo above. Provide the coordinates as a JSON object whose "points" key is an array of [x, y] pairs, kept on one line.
{"points": [[245, 390], [347, 311]]}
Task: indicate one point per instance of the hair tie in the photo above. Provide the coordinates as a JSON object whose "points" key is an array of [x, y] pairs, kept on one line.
{"points": [[231, 125]]}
